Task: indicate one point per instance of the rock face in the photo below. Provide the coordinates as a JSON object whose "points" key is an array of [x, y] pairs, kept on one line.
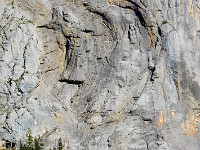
{"points": [[101, 74]]}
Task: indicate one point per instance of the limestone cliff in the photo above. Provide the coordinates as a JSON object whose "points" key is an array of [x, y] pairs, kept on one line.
{"points": [[101, 74]]}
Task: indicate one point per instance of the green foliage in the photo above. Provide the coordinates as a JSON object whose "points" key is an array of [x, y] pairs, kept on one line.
{"points": [[165, 22], [60, 144], [30, 139], [22, 146], [36, 143], [32, 143], [24, 21]]}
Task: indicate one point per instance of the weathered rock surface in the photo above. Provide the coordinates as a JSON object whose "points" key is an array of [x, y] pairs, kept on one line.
{"points": [[101, 74]]}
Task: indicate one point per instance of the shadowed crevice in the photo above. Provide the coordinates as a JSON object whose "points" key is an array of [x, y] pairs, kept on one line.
{"points": [[76, 82]]}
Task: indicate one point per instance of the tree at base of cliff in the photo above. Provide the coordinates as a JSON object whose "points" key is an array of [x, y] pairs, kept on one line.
{"points": [[32, 143], [30, 139], [38, 143], [60, 144]]}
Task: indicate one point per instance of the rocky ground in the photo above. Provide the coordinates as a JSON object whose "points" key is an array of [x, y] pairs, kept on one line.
{"points": [[101, 74]]}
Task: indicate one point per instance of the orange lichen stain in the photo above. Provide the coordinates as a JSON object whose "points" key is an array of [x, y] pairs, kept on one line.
{"points": [[172, 114], [162, 117], [109, 2], [118, 2], [40, 82], [112, 2], [161, 120], [196, 18], [188, 126], [123, 143], [86, 35], [58, 118], [191, 11], [41, 58], [151, 38]]}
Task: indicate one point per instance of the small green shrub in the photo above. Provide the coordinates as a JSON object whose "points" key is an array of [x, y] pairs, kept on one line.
{"points": [[165, 22]]}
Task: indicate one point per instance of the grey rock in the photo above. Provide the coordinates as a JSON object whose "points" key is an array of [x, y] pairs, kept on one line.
{"points": [[115, 74]]}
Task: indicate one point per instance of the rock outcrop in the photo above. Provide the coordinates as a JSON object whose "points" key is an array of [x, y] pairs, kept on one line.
{"points": [[101, 74]]}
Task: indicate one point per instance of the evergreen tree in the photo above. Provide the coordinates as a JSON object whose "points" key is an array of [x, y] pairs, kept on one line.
{"points": [[60, 145], [38, 143], [22, 146], [30, 145]]}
